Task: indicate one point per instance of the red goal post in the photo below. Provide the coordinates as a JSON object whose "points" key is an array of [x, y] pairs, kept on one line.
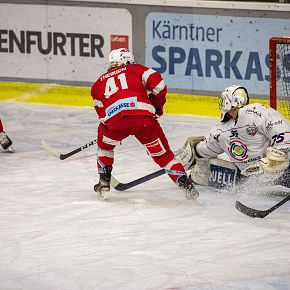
{"points": [[279, 50]]}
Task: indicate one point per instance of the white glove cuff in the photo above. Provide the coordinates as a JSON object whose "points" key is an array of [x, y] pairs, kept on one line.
{"points": [[276, 154]]}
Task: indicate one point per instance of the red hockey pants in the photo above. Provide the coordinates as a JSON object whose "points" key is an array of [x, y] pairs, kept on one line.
{"points": [[148, 131]]}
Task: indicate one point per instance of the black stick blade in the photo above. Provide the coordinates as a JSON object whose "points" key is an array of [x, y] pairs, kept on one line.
{"points": [[124, 186], [251, 212]]}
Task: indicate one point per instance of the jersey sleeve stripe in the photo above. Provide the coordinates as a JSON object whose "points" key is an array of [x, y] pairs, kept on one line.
{"points": [[98, 104], [146, 75], [161, 86]]}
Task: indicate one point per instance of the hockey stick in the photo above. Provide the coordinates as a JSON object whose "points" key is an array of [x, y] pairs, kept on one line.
{"points": [[124, 186], [114, 182], [53, 152], [251, 212], [56, 154]]}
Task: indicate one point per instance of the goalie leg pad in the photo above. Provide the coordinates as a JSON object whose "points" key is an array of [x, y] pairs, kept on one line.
{"points": [[186, 154], [222, 173], [200, 173], [214, 172]]}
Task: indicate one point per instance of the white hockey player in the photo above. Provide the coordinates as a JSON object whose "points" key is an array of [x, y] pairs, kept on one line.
{"points": [[5, 141], [255, 139]]}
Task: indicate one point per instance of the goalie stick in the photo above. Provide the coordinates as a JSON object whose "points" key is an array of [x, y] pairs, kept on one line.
{"points": [[251, 212], [53, 152]]}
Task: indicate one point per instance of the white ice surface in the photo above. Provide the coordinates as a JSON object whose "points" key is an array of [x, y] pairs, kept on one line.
{"points": [[56, 235]]}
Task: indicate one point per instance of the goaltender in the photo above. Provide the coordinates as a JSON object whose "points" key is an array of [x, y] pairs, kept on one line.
{"points": [[254, 138]]}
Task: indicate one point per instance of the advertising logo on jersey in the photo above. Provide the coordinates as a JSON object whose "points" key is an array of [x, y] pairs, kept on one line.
{"points": [[238, 150], [271, 124], [155, 148], [121, 105], [252, 131], [253, 111]]}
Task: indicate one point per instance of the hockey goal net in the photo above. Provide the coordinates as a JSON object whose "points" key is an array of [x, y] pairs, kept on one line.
{"points": [[280, 75]]}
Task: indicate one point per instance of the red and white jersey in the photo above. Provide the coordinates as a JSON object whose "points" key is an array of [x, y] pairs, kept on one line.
{"points": [[245, 140], [123, 91]]}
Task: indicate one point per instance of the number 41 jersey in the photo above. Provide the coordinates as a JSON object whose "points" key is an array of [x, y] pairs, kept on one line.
{"points": [[123, 91]]}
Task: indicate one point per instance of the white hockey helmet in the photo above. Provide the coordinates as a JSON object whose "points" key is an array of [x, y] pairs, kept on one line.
{"points": [[120, 56], [232, 97]]}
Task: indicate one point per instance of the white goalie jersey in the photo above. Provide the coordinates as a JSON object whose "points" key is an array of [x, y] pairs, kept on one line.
{"points": [[245, 140]]}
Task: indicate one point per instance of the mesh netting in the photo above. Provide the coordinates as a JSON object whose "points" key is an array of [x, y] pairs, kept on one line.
{"points": [[283, 79]]}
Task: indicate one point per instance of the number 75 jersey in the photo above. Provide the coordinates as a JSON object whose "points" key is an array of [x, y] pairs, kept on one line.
{"points": [[245, 140], [123, 91]]}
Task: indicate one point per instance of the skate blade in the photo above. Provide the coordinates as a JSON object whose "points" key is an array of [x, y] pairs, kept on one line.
{"points": [[192, 196], [10, 149], [102, 195]]}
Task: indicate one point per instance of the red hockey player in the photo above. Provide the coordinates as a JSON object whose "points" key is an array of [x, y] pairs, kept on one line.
{"points": [[124, 108], [5, 141]]}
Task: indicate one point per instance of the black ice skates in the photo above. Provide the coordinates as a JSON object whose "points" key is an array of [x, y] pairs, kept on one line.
{"points": [[6, 142], [103, 187], [187, 187]]}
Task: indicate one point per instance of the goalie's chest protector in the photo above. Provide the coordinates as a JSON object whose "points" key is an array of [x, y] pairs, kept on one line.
{"points": [[242, 140]]}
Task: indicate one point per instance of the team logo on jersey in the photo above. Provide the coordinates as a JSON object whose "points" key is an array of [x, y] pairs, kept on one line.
{"points": [[216, 137], [238, 150], [252, 131]]}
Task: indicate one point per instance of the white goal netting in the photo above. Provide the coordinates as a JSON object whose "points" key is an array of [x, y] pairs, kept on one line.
{"points": [[280, 75]]}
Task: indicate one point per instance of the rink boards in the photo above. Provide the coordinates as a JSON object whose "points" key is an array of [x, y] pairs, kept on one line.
{"points": [[80, 96]]}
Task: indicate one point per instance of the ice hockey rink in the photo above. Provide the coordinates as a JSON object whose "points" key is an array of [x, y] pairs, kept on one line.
{"points": [[56, 235]]}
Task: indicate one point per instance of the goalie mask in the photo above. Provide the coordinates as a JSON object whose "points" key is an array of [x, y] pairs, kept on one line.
{"points": [[119, 57], [232, 97]]}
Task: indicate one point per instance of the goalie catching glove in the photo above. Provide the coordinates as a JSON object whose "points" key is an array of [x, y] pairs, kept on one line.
{"points": [[276, 161]]}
